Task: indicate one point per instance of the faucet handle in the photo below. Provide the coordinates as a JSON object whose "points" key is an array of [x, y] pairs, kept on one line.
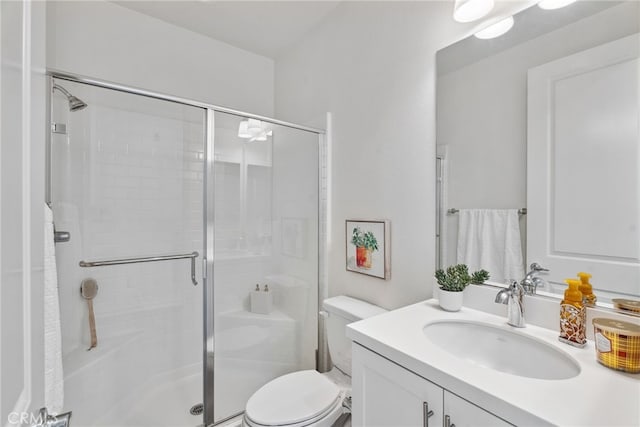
{"points": [[517, 288], [512, 284], [537, 267]]}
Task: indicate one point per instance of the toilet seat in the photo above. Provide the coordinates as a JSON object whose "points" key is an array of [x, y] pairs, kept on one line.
{"points": [[298, 399]]}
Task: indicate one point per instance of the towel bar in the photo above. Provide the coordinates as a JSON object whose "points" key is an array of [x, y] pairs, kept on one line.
{"points": [[192, 255], [521, 211]]}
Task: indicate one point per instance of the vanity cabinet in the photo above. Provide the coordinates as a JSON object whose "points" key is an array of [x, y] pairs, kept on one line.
{"points": [[463, 413], [388, 395]]}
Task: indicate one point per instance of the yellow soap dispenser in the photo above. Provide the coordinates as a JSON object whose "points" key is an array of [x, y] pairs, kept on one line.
{"points": [[573, 317], [588, 297]]}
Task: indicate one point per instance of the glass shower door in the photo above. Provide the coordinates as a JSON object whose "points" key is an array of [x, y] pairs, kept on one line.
{"points": [[265, 256], [127, 182]]}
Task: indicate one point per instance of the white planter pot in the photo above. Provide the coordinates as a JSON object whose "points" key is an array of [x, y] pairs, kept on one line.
{"points": [[450, 301]]}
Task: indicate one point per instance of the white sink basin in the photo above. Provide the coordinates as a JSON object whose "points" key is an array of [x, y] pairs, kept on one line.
{"points": [[501, 349]]}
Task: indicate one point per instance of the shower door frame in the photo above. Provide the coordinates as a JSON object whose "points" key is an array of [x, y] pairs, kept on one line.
{"points": [[208, 344]]}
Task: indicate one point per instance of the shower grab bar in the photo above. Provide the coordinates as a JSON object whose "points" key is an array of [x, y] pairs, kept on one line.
{"points": [[192, 255], [521, 211]]}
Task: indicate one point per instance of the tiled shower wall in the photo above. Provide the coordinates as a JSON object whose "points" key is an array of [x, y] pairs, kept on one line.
{"points": [[127, 181]]}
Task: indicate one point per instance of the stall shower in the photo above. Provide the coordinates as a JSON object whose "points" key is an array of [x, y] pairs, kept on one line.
{"points": [[178, 211]]}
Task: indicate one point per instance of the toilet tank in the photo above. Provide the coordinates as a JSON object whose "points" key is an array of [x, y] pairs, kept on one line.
{"points": [[340, 311]]}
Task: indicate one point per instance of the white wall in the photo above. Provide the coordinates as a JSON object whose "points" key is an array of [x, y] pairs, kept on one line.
{"points": [[103, 40], [372, 64], [487, 150]]}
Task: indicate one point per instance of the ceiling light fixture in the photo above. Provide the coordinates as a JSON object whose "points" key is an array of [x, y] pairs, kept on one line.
{"points": [[495, 30], [262, 136], [554, 4], [253, 130], [471, 10], [254, 125], [243, 129]]}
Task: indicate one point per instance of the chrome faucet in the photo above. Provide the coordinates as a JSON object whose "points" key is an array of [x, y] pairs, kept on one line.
{"points": [[531, 281], [513, 297]]}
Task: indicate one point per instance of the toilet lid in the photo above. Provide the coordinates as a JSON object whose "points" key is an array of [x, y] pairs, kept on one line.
{"points": [[292, 398]]}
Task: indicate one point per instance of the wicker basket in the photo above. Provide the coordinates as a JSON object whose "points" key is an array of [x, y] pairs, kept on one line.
{"points": [[617, 344]]}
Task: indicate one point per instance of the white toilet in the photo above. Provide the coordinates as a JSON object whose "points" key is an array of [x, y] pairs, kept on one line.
{"points": [[308, 398]]}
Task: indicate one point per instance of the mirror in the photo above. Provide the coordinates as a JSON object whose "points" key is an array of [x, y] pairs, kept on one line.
{"points": [[517, 130]]}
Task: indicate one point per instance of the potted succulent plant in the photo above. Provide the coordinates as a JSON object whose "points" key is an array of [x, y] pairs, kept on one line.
{"points": [[453, 281], [365, 243]]}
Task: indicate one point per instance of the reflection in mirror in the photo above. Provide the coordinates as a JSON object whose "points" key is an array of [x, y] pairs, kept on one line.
{"points": [[546, 117], [244, 187]]}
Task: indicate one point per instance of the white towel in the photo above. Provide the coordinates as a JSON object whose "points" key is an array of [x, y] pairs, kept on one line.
{"points": [[53, 375], [490, 239]]}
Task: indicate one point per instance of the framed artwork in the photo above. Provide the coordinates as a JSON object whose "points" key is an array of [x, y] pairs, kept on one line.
{"points": [[368, 243]]}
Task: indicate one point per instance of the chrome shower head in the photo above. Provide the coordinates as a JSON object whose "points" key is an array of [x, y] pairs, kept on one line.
{"points": [[75, 103]]}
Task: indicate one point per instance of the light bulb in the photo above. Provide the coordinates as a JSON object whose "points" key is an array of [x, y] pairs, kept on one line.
{"points": [[554, 4], [471, 10], [495, 30]]}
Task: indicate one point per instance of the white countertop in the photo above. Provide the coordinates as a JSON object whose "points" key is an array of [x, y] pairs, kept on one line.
{"points": [[597, 396]]}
